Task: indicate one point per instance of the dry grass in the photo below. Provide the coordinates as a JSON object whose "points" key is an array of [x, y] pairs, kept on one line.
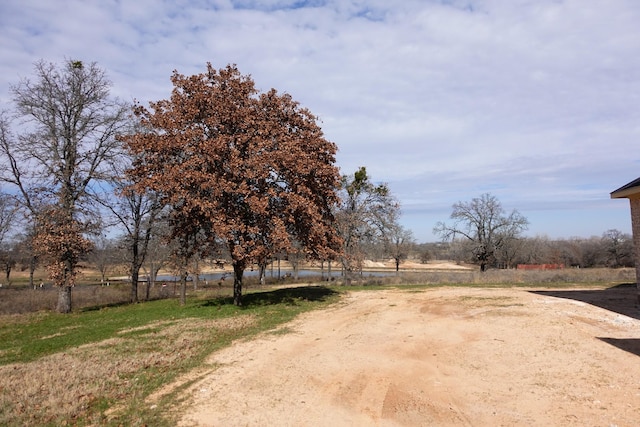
{"points": [[71, 385], [509, 277], [99, 367], [22, 299]]}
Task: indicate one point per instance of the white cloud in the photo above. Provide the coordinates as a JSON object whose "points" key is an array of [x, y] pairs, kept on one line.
{"points": [[535, 101]]}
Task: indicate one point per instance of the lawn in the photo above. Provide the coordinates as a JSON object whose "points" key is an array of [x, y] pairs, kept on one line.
{"points": [[97, 366]]}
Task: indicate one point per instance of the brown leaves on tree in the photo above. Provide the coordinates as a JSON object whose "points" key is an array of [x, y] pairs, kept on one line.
{"points": [[254, 169], [59, 240]]}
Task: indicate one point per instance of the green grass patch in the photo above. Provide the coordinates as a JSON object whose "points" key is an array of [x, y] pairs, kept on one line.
{"points": [[98, 366]]}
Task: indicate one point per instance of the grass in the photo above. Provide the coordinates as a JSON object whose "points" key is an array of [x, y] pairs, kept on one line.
{"points": [[99, 364], [569, 277], [97, 367]]}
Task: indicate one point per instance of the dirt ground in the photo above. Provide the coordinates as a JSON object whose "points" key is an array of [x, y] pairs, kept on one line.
{"points": [[441, 357]]}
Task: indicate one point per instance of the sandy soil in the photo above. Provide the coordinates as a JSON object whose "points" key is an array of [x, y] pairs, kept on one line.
{"points": [[443, 357]]}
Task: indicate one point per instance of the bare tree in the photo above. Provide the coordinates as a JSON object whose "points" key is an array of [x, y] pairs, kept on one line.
{"points": [[484, 224], [102, 255], [8, 213], [536, 250], [190, 232], [618, 248], [365, 212], [510, 251], [398, 243], [68, 124], [159, 252], [136, 213], [26, 254]]}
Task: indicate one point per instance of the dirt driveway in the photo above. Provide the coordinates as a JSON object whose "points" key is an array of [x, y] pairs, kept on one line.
{"points": [[439, 357]]}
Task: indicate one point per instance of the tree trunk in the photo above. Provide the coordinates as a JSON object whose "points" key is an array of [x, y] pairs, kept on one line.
{"points": [[196, 276], [262, 268], [64, 292], [238, 271], [347, 276], [134, 285], [296, 265], [135, 270], [183, 288], [64, 299], [32, 270], [347, 269]]}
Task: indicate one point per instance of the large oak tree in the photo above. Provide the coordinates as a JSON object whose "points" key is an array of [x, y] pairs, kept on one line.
{"points": [[252, 169]]}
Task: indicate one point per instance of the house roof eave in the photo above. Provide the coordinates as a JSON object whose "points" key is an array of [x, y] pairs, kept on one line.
{"points": [[631, 189]]}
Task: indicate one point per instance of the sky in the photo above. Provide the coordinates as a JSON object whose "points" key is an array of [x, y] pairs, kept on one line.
{"points": [[536, 102]]}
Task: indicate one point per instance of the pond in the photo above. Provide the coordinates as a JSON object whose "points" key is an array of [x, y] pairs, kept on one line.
{"points": [[269, 274]]}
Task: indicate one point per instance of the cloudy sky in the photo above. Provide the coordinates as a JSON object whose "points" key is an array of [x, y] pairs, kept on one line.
{"points": [[534, 101]]}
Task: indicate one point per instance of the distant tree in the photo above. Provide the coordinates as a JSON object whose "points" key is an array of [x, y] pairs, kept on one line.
{"points": [[398, 242], [618, 248], [426, 252], [8, 260], [8, 214], [136, 213], [102, 255], [27, 255], [510, 251], [295, 256], [590, 252], [425, 255], [254, 170], [159, 253], [483, 222], [190, 232], [536, 250], [68, 131], [366, 211]]}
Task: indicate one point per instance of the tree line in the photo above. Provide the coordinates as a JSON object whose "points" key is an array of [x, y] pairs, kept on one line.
{"points": [[612, 249]]}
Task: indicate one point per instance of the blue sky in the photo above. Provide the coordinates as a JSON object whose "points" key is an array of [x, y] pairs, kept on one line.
{"points": [[536, 102]]}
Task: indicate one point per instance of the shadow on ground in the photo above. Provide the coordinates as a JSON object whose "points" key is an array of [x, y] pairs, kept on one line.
{"points": [[632, 345], [280, 296], [621, 299]]}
